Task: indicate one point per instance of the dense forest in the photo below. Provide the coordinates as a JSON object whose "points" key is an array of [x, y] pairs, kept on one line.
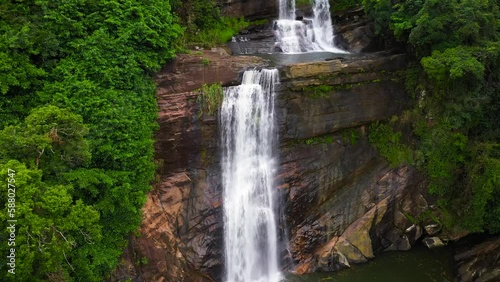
{"points": [[78, 113], [454, 81]]}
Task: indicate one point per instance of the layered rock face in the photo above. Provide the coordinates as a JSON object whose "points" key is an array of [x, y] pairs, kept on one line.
{"points": [[340, 201]]}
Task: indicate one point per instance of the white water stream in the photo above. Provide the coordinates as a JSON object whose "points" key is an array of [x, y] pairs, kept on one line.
{"points": [[248, 169], [307, 35]]}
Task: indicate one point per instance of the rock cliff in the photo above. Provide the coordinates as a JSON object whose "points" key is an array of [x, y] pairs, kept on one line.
{"points": [[341, 202]]}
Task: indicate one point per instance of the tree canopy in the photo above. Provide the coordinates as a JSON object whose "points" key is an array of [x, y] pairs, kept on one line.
{"points": [[455, 81], [77, 116]]}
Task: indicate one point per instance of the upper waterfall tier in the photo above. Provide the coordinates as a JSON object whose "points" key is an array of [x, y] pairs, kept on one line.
{"points": [[302, 34]]}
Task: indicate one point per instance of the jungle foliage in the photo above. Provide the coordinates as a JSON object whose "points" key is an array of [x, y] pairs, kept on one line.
{"points": [[204, 24], [77, 114], [341, 5], [455, 82]]}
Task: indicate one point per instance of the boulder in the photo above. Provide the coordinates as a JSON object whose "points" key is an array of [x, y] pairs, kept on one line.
{"points": [[432, 229], [414, 233], [352, 253], [333, 262], [402, 243], [433, 242]]}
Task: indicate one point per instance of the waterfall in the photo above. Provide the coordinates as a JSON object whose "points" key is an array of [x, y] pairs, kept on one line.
{"points": [[248, 168], [322, 24], [287, 9], [307, 34]]}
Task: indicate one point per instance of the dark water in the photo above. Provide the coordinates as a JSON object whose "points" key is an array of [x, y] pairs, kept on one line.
{"points": [[416, 265]]}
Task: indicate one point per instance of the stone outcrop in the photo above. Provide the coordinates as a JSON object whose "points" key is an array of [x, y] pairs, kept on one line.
{"points": [[354, 212], [189, 72], [355, 31], [342, 203]]}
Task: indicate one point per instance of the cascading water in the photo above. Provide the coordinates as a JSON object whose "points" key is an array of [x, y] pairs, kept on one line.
{"points": [[308, 34], [248, 168]]}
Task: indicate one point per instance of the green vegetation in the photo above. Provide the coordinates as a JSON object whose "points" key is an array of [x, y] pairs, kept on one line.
{"points": [[347, 136], [318, 91], [210, 98], [389, 143], [259, 22], [204, 25], [350, 136], [325, 139], [142, 261], [455, 81], [341, 5], [425, 217], [77, 116], [303, 3], [221, 33]]}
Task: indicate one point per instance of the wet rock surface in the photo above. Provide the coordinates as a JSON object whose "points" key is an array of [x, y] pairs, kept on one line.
{"points": [[479, 261], [259, 41]]}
